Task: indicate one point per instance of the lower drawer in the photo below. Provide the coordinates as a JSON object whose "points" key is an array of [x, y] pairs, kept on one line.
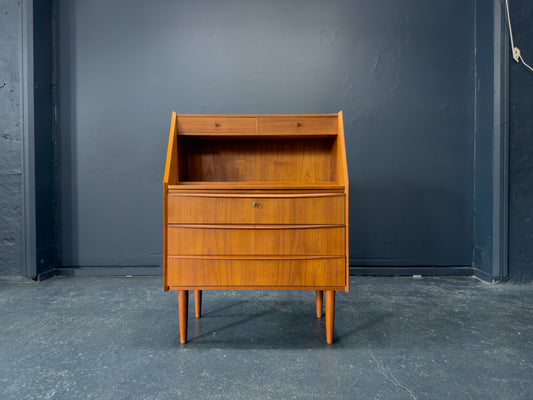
{"points": [[286, 241], [204, 272]]}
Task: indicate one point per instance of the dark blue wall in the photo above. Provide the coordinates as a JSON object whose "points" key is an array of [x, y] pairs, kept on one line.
{"points": [[521, 147], [410, 133], [402, 72], [45, 151]]}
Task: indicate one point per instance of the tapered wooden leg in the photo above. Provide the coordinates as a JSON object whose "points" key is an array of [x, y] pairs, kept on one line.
{"points": [[198, 303], [183, 308], [330, 315], [319, 303]]}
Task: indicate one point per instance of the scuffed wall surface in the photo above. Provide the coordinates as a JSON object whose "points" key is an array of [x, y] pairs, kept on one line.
{"points": [[521, 147], [11, 245], [402, 72]]}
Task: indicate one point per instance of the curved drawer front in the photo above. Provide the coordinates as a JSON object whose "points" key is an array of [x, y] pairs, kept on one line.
{"points": [[327, 209], [227, 240], [203, 272]]}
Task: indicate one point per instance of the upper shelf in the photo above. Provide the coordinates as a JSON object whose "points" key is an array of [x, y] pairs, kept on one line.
{"points": [[251, 125], [306, 151]]}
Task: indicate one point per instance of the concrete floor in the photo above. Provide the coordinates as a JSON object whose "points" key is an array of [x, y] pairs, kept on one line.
{"points": [[396, 338]]}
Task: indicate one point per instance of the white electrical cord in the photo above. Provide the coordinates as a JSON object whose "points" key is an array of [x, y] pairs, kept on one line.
{"points": [[516, 51]]}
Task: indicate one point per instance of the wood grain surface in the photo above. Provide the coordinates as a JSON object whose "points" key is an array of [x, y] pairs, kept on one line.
{"points": [[254, 240], [256, 210], [202, 273]]}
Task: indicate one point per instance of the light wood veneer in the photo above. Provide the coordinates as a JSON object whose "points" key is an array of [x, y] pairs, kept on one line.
{"points": [[228, 208], [255, 240]]}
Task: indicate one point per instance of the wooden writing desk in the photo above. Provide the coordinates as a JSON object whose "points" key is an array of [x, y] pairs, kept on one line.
{"points": [[256, 202]]}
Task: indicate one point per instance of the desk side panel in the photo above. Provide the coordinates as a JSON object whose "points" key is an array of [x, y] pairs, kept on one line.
{"points": [[171, 177]]}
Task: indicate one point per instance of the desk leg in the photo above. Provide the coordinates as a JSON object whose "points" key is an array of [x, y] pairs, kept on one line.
{"points": [[183, 309], [330, 315], [198, 303], [319, 303]]}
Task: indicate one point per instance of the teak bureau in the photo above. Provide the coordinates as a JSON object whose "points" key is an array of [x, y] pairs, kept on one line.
{"points": [[256, 202]]}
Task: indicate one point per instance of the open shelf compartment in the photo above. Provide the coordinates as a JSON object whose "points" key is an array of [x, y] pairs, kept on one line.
{"points": [[247, 151]]}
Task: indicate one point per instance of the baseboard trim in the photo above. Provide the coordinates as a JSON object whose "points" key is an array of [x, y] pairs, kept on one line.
{"points": [[405, 262], [408, 271], [85, 272], [484, 276], [46, 275]]}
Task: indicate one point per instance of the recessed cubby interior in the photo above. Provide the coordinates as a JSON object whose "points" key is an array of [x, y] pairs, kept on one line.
{"points": [[301, 159]]}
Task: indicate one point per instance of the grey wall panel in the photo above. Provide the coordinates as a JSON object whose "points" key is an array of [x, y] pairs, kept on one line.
{"points": [[521, 148], [484, 141], [11, 243], [402, 72]]}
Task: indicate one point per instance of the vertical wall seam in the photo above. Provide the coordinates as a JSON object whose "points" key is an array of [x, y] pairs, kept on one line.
{"points": [[474, 144], [501, 146], [28, 153], [55, 127]]}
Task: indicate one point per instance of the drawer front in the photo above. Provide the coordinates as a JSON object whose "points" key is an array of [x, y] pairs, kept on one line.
{"points": [[250, 210], [215, 240], [188, 272], [236, 125], [299, 125]]}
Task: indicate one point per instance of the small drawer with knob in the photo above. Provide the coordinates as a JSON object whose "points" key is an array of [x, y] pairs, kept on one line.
{"points": [[324, 125], [213, 125], [326, 208]]}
